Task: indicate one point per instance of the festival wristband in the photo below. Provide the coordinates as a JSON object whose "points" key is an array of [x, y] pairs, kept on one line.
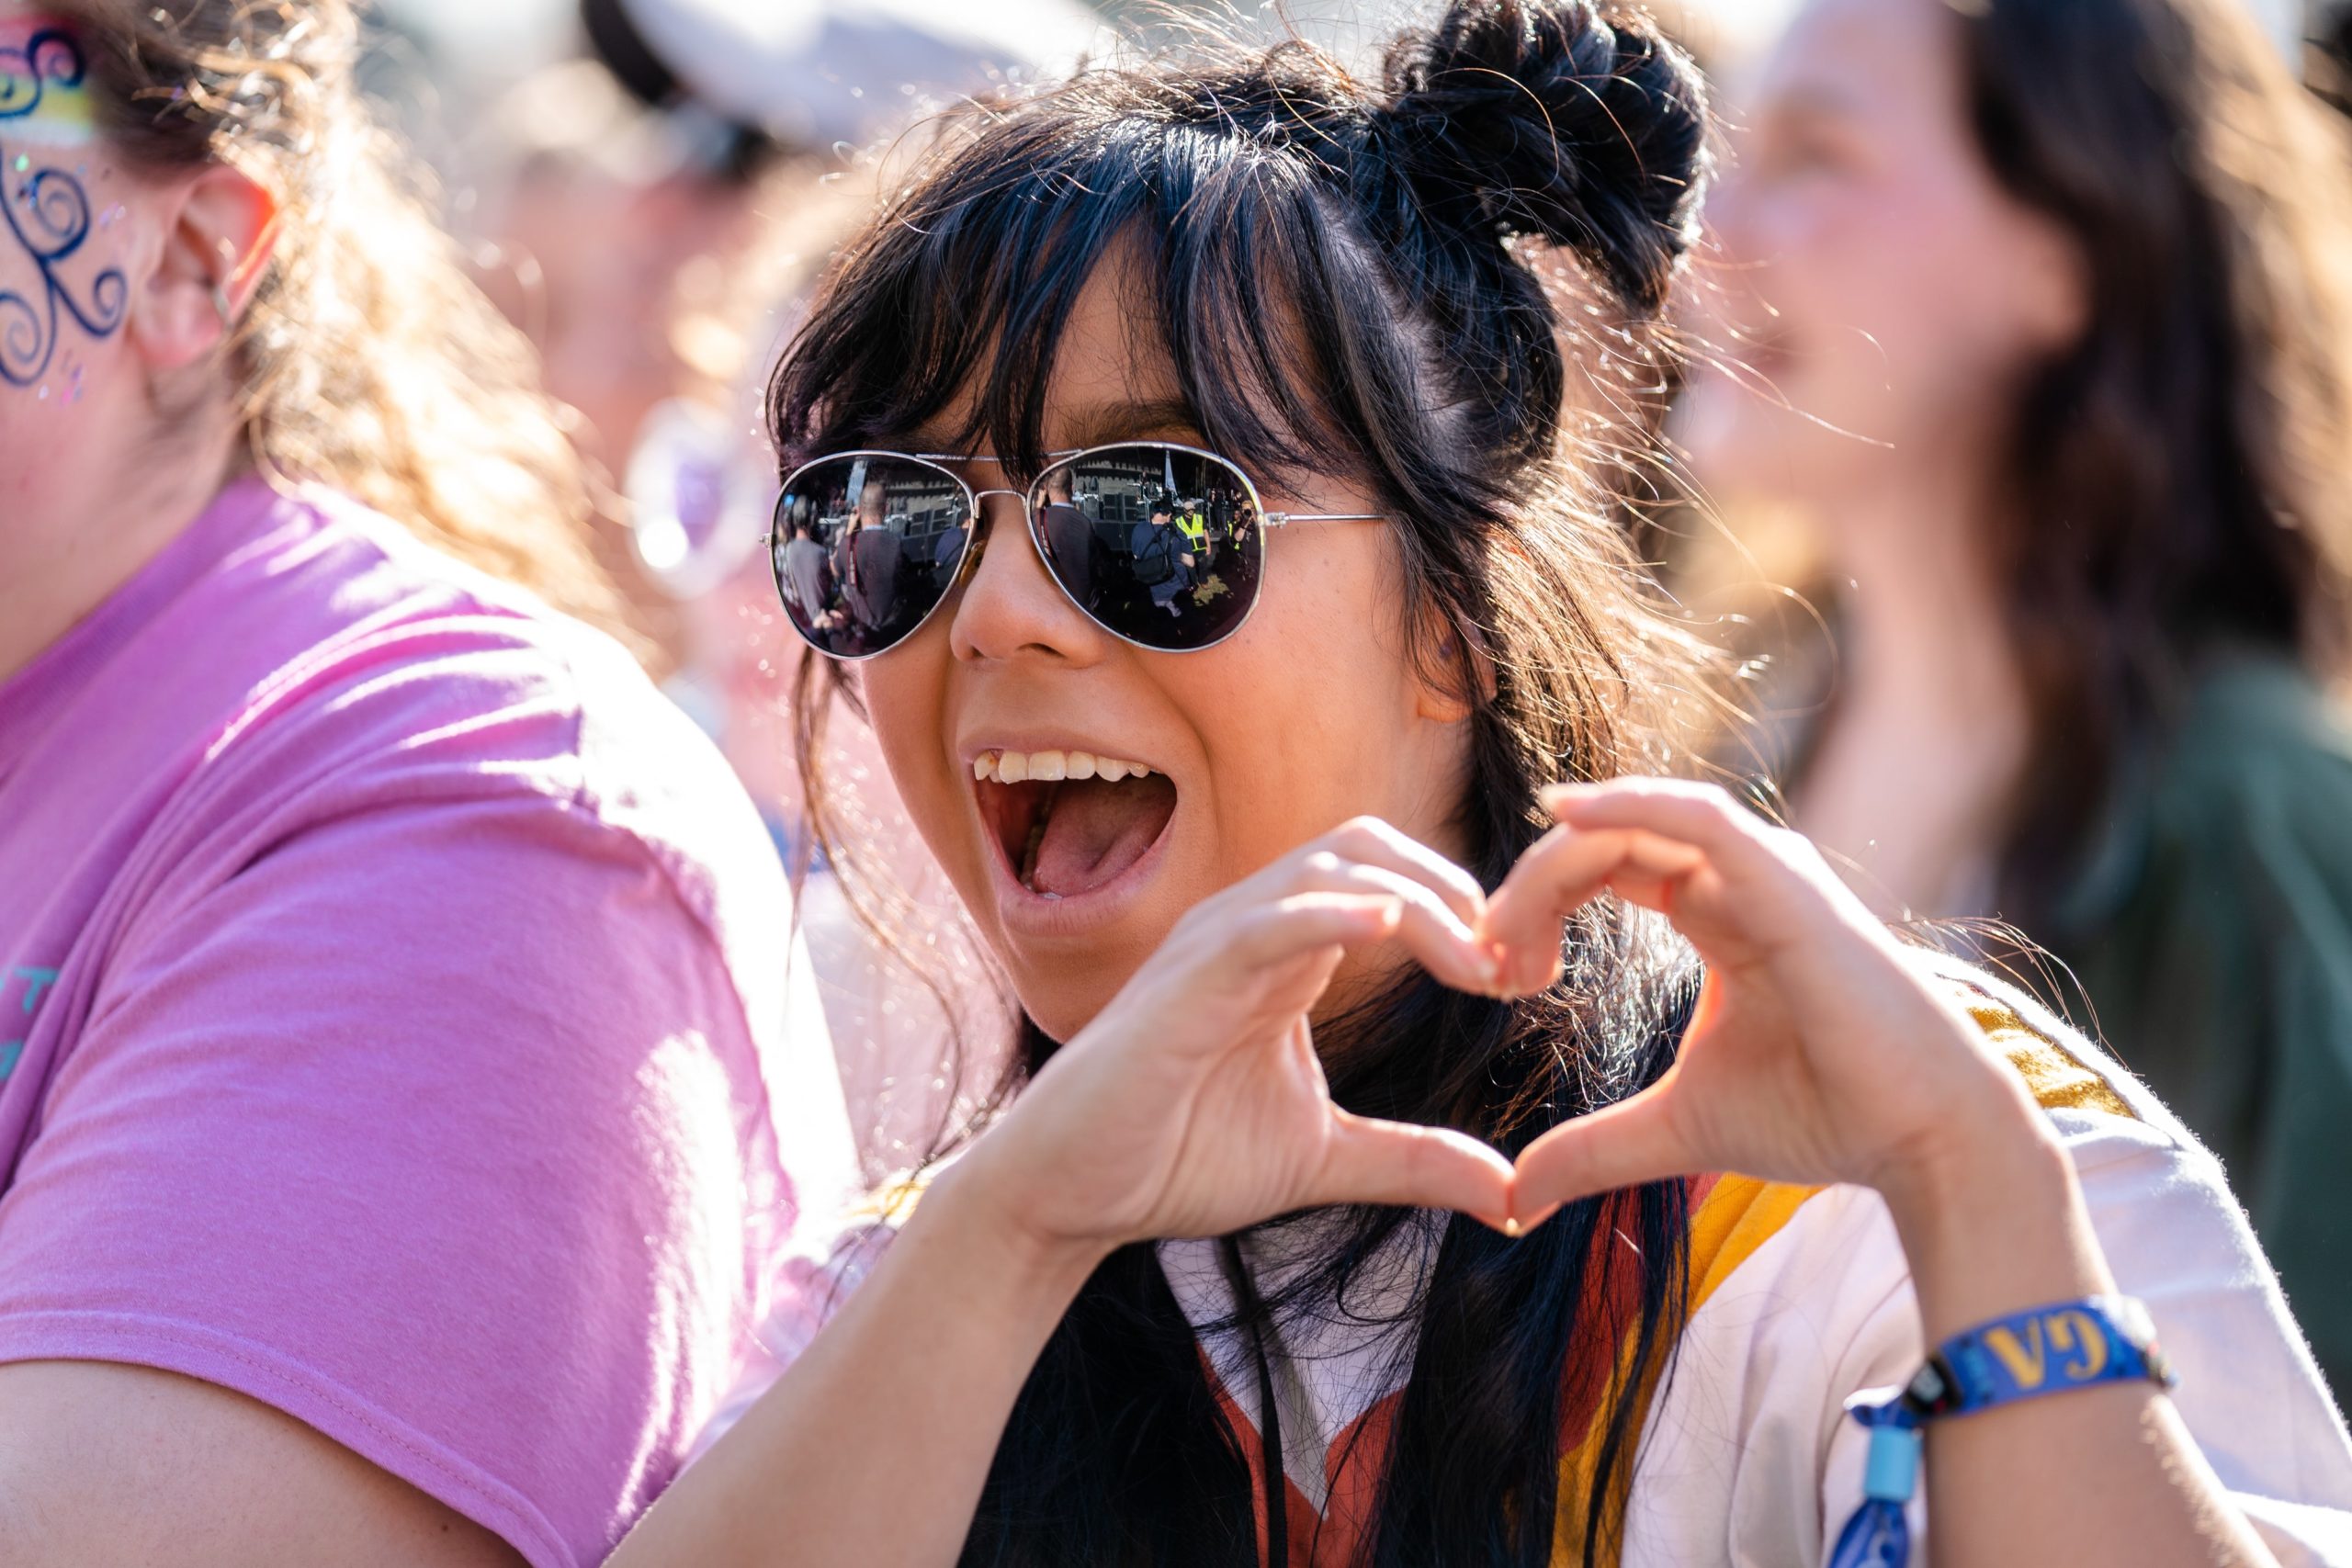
{"points": [[2050, 1349]]}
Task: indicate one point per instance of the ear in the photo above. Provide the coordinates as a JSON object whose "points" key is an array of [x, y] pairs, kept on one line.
{"points": [[1461, 666], [216, 241]]}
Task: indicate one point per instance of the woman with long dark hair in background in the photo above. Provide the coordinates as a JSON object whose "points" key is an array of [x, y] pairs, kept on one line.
{"points": [[1360, 1196], [2044, 314]]}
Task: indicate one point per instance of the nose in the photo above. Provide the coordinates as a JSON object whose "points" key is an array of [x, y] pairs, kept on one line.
{"points": [[1010, 605]]}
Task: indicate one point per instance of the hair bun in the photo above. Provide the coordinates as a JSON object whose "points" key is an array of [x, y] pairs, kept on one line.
{"points": [[1578, 122]]}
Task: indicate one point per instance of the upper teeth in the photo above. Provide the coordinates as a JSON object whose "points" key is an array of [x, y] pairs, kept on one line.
{"points": [[1017, 767]]}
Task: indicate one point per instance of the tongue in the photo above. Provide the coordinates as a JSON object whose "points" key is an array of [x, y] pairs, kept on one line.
{"points": [[1097, 830]]}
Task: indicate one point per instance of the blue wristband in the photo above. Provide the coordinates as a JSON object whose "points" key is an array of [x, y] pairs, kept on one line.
{"points": [[2048, 1350]]}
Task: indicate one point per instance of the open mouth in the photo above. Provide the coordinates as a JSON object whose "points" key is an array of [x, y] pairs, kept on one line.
{"points": [[1069, 822]]}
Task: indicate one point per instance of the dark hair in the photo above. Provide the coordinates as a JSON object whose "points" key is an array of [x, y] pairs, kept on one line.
{"points": [[2181, 479], [1333, 271]]}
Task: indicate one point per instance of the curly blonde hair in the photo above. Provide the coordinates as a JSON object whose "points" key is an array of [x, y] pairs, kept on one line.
{"points": [[369, 361]]}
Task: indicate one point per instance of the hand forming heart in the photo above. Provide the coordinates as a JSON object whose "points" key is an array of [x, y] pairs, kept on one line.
{"points": [[1195, 1104]]}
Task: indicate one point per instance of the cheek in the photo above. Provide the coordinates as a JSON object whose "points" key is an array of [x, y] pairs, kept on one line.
{"points": [[906, 694], [1306, 715], [1895, 308]]}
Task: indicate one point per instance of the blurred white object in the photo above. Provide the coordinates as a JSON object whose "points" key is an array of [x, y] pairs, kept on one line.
{"points": [[821, 73], [699, 490]]}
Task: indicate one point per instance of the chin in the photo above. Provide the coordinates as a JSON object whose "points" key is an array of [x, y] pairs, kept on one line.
{"points": [[1062, 1008], [1064, 978]]}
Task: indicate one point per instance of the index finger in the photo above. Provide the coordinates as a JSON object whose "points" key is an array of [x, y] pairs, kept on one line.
{"points": [[1561, 872], [1378, 843], [1704, 815], [1625, 1145]]}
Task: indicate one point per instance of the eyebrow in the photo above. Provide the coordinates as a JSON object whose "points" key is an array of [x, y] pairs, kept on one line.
{"points": [[1125, 420], [1098, 425]]}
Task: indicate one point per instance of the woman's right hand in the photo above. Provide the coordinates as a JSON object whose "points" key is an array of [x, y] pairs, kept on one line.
{"points": [[1195, 1103]]}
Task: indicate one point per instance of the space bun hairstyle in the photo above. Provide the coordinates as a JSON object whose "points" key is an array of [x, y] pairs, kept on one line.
{"points": [[1554, 123], [1342, 279]]}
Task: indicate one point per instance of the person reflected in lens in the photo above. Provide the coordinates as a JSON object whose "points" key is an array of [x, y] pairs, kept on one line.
{"points": [[806, 576], [869, 561], [1195, 529], [1071, 536], [1163, 563]]}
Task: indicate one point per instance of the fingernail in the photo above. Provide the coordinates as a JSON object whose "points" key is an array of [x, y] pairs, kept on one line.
{"points": [[1557, 797]]}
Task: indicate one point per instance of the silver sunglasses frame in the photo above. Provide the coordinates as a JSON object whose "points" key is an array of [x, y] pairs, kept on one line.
{"points": [[970, 555]]}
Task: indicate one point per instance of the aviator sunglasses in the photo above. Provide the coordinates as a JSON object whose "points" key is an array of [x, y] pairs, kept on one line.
{"points": [[1162, 546]]}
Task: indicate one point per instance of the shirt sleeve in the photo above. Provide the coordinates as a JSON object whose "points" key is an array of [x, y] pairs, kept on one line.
{"points": [[438, 1126], [2248, 1392]]}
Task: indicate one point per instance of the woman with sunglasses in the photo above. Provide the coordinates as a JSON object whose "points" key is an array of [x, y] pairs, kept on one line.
{"points": [[1362, 1198]]}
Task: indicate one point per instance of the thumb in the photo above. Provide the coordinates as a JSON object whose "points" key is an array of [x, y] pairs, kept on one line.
{"points": [[1370, 1161], [1623, 1145]]}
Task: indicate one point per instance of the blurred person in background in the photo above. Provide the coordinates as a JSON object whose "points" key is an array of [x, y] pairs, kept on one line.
{"points": [[686, 138], [2041, 313], [387, 973]]}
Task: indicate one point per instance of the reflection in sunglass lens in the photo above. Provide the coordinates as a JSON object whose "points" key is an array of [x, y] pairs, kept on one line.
{"points": [[865, 547], [1159, 544]]}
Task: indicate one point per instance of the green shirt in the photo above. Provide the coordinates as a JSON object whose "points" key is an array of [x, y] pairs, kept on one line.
{"points": [[2213, 934]]}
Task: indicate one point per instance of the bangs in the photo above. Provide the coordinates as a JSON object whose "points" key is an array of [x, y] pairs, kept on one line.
{"points": [[1234, 268]]}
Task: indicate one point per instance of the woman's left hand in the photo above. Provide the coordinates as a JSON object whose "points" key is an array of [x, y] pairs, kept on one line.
{"points": [[1820, 1051]]}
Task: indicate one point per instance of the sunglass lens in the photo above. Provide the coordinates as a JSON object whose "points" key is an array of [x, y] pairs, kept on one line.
{"points": [[1159, 544], [865, 547]]}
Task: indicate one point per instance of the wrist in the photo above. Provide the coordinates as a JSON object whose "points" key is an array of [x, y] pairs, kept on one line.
{"points": [[1991, 1147], [972, 1198], [1992, 1220]]}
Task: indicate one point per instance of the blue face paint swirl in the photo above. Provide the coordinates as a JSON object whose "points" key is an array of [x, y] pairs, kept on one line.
{"points": [[45, 209]]}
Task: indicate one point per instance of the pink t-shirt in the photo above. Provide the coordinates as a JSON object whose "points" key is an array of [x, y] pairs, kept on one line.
{"points": [[395, 1023]]}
